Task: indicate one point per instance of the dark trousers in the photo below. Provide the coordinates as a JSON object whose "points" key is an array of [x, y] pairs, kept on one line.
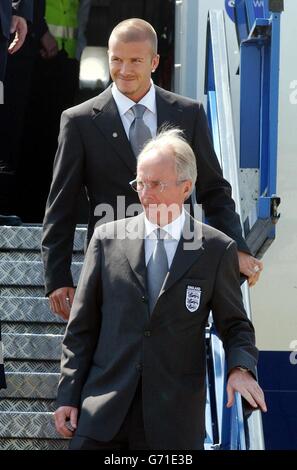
{"points": [[131, 435], [3, 56]]}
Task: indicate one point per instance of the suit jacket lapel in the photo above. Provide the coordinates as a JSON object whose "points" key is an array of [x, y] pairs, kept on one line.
{"points": [[168, 111], [106, 117], [133, 245], [184, 258]]}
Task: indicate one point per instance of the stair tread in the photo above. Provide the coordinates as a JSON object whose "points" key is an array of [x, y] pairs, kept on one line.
{"points": [[29, 238], [28, 425], [32, 346], [27, 309], [34, 444], [29, 273], [30, 385], [32, 357]]}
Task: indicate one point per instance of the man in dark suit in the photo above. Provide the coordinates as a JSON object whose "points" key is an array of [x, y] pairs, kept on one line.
{"points": [[15, 116], [95, 152], [11, 22], [133, 357], [13, 16]]}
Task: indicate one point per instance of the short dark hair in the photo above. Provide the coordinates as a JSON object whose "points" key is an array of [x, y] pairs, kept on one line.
{"points": [[134, 30]]}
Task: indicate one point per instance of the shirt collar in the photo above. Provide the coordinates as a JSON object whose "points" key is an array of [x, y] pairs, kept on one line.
{"points": [[124, 103], [174, 229]]}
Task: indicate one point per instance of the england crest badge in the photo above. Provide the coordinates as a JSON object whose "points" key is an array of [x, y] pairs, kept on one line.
{"points": [[193, 296]]}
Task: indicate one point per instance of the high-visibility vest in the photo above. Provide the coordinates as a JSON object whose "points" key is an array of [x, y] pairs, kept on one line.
{"points": [[61, 18]]}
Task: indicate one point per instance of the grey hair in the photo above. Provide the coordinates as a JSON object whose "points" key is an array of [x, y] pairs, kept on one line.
{"points": [[185, 160]]}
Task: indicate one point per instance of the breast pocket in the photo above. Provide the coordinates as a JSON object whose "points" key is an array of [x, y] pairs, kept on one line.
{"points": [[196, 294]]}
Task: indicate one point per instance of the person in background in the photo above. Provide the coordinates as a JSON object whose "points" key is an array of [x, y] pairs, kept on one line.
{"points": [[13, 16], [13, 26], [133, 357], [14, 115], [13, 21], [99, 143], [54, 88]]}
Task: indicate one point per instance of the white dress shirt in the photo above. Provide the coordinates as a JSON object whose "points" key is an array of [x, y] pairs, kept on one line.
{"points": [[173, 234], [124, 105]]}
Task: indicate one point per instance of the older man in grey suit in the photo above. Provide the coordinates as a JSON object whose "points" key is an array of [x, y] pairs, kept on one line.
{"points": [[133, 361]]}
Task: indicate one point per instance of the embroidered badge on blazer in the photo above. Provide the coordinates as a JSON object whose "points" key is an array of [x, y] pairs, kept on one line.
{"points": [[193, 296]]}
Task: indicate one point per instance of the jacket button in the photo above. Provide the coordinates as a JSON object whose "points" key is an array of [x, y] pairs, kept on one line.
{"points": [[144, 299], [147, 333], [139, 367]]}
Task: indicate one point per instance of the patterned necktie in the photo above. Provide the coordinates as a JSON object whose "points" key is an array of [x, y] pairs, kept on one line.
{"points": [[157, 269], [139, 133]]}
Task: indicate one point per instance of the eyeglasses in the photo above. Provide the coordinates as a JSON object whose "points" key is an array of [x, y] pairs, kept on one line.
{"points": [[139, 186]]}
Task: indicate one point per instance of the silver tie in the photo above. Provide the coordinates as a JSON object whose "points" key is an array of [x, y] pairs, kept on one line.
{"points": [[157, 269], [139, 133]]}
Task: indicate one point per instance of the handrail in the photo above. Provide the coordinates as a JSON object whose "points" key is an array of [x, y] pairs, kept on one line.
{"points": [[232, 431], [259, 90]]}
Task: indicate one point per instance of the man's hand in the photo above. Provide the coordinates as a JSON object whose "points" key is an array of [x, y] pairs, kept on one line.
{"points": [[244, 383], [250, 267], [61, 301], [20, 28], [49, 46], [66, 420]]}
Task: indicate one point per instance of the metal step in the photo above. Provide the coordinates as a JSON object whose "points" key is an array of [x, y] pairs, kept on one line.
{"points": [[21, 273], [30, 385], [19, 291], [33, 328], [13, 255], [27, 309], [24, 405], [28, 347], [32, 366], [32, 338], [28, 425], [34, 444], [29, 238]]}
